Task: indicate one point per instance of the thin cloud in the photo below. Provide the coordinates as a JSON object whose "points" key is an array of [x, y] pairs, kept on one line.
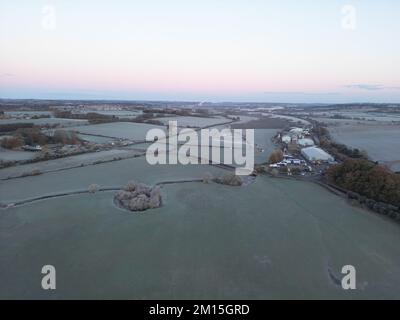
{"points": [[301, 93], [370, 87], [4, 75]]}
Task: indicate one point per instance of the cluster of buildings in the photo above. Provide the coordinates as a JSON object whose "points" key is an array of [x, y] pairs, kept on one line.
{"points": [[300, 140], [288, 160], [297, 135], [315, 154], [33, 148]]}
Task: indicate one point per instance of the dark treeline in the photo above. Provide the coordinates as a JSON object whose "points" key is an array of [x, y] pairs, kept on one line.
{"points": [[92, 117], [97, 118], [367, 180], [179, 112], [11, 127], [34, 136]]}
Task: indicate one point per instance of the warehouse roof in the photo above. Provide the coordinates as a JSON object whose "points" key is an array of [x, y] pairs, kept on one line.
{"points": [[315, 153], [305, 142]]}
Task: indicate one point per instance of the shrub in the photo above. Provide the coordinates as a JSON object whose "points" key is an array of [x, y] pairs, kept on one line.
{"points": [[275, 172], [12, 142], [66, 137], [36, 172], [32, 136], [295, 171], [93, 188], [130, 186], [230, 179], [138, 197], [276, 156], [207, 177]]}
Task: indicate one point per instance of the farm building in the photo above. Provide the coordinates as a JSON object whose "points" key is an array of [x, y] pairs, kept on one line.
{"points": [[286, 139], [296, 131], [305, 142], [316, 154]]}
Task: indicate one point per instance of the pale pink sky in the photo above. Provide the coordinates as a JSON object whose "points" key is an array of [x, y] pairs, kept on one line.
{"points": [[269, 50]]}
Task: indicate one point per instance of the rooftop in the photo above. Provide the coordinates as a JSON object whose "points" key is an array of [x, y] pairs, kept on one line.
{"points": [[315, 153]]}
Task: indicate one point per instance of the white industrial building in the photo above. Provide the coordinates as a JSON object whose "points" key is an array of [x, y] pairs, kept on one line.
{"points": [[305, 142], [286, 139], [316, 154], [296, 131]]}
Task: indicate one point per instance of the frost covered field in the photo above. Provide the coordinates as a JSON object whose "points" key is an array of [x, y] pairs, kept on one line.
{"points": [[193, 121], [44, 121], [15, 155], [269, 239], [382, 142], [107, 174], [262, 139], [123, 130]]}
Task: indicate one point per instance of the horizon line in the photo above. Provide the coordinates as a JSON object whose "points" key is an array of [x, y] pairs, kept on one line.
{"points": [[196, 101]]}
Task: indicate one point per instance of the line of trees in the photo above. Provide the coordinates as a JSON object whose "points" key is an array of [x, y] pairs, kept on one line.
{"points": [[367, 179], [92, 117], [65, 137], [97, 118], [198, 112], [12, 142], [11, 127], [34, 136]]}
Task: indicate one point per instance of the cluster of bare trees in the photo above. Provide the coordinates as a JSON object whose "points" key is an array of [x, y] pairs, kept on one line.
{"points": [[12, 142], [276, 156], [229, 179], [138, 197], [65, 137], [92, 117], [34, 136], [11, 127]]}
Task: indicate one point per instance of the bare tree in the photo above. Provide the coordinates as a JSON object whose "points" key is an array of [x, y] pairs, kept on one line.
{"points": [[276, 156]]}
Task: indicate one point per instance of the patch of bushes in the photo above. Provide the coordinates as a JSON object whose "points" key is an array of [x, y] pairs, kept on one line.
{"points": [[230, 179], [93, 188], [36, 172], [32, 136], [138, 197], [276, 156], [92, 117], [367, 179], [10, 127], [379, 207], [207, 178], [65, 137], [12, 142]]}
